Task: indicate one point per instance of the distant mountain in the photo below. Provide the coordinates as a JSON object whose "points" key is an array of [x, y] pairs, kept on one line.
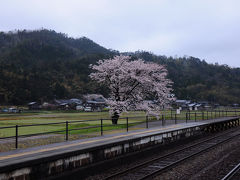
{"points": [[196, 80], [43, 65], [44, 45]]}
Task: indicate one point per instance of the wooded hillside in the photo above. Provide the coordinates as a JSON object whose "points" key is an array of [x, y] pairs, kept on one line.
{"points": [[43, 65]]}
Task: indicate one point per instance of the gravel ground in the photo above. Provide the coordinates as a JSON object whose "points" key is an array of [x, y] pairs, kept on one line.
{"points": [[212, 165], [203, 167]]}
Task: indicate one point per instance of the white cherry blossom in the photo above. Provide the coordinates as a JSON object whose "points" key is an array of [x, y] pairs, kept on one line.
{"points": [[131, 83]]}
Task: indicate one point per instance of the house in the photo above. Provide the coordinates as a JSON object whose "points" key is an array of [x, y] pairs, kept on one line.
{"points": [[49, 106], [76, 101], [95, 105], [182, 103], [34, 106], [194, 106], [95, 101], [235, 105], [191, 106], [68, 103], [14, 110], [198, 106]]}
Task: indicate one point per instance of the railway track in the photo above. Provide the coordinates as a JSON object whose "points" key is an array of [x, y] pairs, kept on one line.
{"points": [[154, 167], [234, 174]]}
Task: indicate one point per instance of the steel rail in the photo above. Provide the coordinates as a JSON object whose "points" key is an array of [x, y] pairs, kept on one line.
{"points": [[142, 165], [233, 172], [185, 158]]}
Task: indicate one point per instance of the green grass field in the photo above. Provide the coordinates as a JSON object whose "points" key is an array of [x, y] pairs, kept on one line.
{"points": [[93, 117], [29, 118], [55, 117]]}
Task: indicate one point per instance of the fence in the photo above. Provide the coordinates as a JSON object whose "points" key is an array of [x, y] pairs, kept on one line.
{"points": [[125, 123]]}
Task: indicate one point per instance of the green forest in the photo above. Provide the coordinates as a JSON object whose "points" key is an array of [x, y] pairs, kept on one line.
{"points": [[43, 65]]}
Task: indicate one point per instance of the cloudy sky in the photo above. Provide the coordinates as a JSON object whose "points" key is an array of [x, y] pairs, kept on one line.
{"points": [[208, 29]]}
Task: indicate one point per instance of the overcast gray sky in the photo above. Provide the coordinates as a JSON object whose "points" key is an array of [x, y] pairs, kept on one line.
{"points": [[208, 29]]}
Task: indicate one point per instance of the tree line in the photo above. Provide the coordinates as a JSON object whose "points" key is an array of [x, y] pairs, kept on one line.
{"points": [[43, 65]]}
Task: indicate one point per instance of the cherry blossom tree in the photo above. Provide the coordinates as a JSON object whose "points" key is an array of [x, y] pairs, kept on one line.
{"points": [[132, 84]]}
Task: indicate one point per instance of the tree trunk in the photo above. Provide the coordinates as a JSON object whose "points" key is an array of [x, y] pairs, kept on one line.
{"points": [[115, 118]]}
